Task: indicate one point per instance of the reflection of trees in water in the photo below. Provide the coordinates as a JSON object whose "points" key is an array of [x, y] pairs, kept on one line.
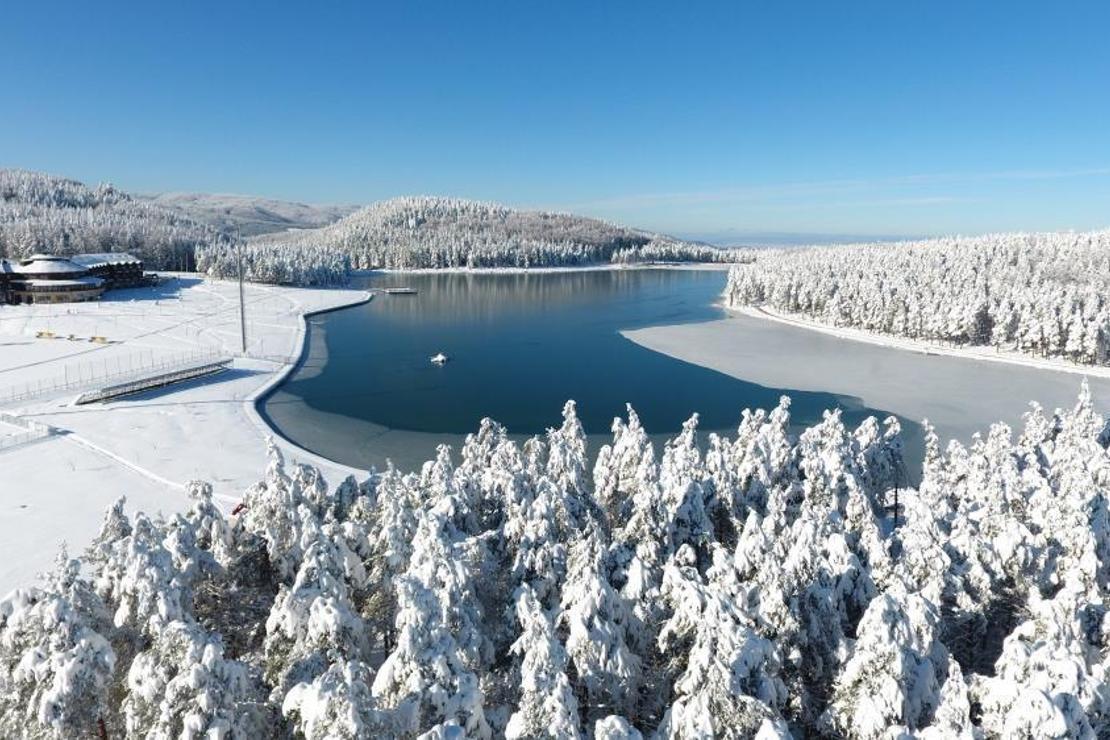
{"points": [[466, 296]]}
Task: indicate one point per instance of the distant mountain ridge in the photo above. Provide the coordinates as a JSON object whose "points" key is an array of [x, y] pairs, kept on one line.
{"points": [[250, 214], [318, 243], [438, 232]]}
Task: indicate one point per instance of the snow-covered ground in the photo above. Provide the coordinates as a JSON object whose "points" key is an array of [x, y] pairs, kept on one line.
{"points": [[146, 446], [955, 389]]}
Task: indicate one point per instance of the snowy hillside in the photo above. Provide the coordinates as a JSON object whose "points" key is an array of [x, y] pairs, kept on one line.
{"points": [[250, 214], [45, 213], [762, 587], [1042, 294], [445, 232]]}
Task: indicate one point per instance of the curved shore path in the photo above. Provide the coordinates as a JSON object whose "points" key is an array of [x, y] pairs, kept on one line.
{"points": [[148, 446]]}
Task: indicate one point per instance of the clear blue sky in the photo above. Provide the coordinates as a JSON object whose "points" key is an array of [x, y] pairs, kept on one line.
{"points": [[697, 118]]}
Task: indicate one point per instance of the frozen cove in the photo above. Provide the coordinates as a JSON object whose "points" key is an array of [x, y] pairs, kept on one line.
{"points": [[959, 395]]}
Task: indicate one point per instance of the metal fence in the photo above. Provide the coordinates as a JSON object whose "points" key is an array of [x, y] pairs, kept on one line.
{"points": [[109, 371], [31, 431]]}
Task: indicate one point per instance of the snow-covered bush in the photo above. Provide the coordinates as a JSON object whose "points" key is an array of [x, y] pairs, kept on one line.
{"points": [[1044, 294], [758, 586]]}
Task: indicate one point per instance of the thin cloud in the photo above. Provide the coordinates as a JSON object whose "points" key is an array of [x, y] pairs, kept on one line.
{"points": [[1012, 175], [933, 200]]}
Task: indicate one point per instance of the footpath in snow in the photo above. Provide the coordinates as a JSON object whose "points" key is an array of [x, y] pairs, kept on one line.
{"points": [[148, 446]]}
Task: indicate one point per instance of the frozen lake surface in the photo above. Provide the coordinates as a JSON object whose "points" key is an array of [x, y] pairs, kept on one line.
{"points": [[519, 346]]}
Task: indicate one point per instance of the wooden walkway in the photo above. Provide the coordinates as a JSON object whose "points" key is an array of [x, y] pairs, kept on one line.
{"points": [[152, 382]]}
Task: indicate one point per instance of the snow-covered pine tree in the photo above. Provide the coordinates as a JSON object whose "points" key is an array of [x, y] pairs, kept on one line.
{"points": [[598, 625], [687, 492], [728, 682], [892, 681], [566, 466], [142, 582], [56, 663], [182, 686], [391, 529], [429, 680], [618, 472], [338, 705], [547, 705], [313, 623]]}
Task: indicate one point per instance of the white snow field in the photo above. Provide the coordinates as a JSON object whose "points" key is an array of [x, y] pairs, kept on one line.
{"points": [[149, 445], [960, 390]]}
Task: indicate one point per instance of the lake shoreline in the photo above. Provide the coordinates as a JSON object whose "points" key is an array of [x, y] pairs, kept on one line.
{"points": [[971, 352], [599, 267], [254, 405]]}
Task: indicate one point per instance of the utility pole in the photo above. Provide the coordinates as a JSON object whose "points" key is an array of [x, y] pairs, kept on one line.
{"points": [[242, 303]]}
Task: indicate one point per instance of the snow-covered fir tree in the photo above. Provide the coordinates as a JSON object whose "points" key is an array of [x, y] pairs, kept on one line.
{"points": [[278, 264], [752, 586], [1042, 294]]}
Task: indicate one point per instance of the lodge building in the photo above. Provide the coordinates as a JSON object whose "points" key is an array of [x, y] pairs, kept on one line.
{"points": [[49, 278], [116, 269]]}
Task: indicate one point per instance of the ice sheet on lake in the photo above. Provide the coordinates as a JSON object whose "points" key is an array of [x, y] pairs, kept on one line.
{"points": [[959, 396]]}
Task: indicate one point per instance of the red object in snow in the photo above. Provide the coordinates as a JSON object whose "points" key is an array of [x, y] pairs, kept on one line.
{"points": [[239, 508]]}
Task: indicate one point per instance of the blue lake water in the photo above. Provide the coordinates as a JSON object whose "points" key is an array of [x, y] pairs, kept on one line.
{"points": [[519, 346]]}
